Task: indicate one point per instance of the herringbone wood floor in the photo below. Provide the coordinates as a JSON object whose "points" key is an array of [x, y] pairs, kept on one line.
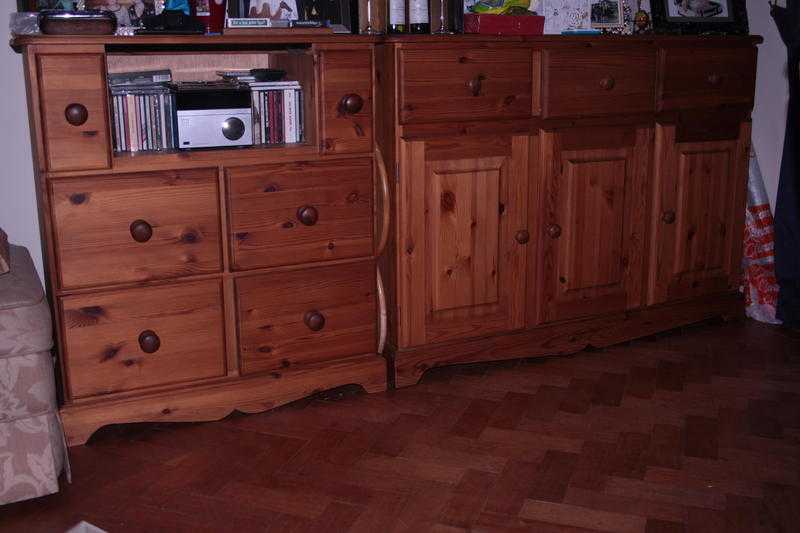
{"points": [[697, 430]]}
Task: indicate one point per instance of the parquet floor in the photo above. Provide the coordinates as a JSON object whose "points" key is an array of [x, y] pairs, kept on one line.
{"points": [[696, 431]]}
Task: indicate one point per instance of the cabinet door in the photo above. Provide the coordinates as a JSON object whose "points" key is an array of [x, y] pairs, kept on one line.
{"points": [[592, 222], [462, 237], [698, 212]]}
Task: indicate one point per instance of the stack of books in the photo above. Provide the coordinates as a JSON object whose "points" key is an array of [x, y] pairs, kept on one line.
{"points": [[277, 108], [143, 111]]}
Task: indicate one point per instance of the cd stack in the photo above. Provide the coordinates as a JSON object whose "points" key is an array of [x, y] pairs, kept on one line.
{"points": [[143, 111], [277, 108]]}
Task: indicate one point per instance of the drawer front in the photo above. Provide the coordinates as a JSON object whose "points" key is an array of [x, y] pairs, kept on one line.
{"points": [[300, 212], [132, 339], [74, 111], [581, 82], [306, 316], [468, 84], [347, 101], [134, 228], [700, 77]]}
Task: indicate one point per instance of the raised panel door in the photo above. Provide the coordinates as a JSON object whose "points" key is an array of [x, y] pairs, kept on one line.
{"points": [[697, 215], [592, 217], [463, 237]]}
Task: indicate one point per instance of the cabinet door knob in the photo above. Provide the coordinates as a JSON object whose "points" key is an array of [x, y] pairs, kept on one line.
{"points": [[141, 231], [76, 114], [522, 236], [668, 217], [476, 84], [350, 104], [314, 320], [607, 83], [307, 215], [554, 231], [149, 341], [714, 79]]}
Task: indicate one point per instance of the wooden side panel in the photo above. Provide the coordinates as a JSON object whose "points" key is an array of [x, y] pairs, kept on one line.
{"points": [[274, 312], [102, 331], [265, 204], [593, 205], [697, 220], [345, 72], [94, 220], [74, 80], [464, 235]]}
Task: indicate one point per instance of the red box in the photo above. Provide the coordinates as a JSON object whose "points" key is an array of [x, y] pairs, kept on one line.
{"points": [[503, 24]]}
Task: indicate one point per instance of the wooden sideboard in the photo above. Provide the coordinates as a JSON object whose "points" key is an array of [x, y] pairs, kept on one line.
{"points": [[521, 197]]}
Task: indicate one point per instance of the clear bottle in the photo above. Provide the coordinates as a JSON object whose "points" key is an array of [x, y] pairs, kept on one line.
{"points": [[397, 16], [419, 19]]}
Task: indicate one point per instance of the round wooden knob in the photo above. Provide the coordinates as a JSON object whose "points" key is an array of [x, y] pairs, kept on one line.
{"points": [[314, 320], [668, 217], [308, 215], [141, 231], [714, 79], [476, 84], [522, 236], [76, 114], [149, 341], [350, 104], [554, 231], [607, 83]]}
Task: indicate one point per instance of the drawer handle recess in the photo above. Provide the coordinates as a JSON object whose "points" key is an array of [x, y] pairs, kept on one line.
{"points": [[308, 215], [476, 84], [149, 341], [607, 83], [141, 231], [554, 231], [350, 104], [76, 114], [668, 217], [314, 320]]}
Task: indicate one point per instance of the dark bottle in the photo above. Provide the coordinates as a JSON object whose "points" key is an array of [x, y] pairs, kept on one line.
{"points": [[397, 16], [419, 19]]}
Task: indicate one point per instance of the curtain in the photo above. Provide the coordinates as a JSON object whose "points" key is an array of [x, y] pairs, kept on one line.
{"points": [[787, 206]]}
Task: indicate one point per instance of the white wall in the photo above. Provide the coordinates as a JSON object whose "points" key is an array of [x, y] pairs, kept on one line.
{"points": [[18, 213], [772, 95]]}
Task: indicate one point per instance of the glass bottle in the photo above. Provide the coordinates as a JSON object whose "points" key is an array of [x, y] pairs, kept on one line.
{"points": [[419, 20], [397, 17]]}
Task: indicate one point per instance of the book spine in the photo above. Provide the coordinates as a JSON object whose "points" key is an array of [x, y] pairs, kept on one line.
{"points": [[288, 115], [163, 122], [133, 136], [280, 137], [272, 125], [265, 117], [301, 115], [255, 102]]}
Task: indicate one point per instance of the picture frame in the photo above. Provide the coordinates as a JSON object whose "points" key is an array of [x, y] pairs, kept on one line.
{"points": [[605, 14], [699, 17]]}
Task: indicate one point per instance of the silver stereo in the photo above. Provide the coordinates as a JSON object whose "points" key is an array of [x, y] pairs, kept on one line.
{"points": [[213, 114]]}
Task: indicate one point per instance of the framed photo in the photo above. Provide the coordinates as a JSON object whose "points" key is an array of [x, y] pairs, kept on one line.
{"points": [[699, 16], [605, 13]]}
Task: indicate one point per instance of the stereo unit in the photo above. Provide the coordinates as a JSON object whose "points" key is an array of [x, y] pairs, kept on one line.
{"points": [[213, 114]]}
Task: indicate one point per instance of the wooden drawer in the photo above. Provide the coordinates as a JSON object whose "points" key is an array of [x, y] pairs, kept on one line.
{"points": [[300, 212], [306, 316], [465, 84], [72, 92], [699, 77], [132, 339], [137, 227], [346, 101], [581, 82]]}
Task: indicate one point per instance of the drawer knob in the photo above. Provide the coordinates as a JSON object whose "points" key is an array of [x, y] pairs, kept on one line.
{"points": [[76, 114], [554, 231], [350, 104], [141, 231], [149, 341], [308, 215], [668, 217], [522, 236], [314, 320], [476, 84], [607, 83], [714, 79]]}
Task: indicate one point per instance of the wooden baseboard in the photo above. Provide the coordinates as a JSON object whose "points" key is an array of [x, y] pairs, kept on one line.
{"points": [[215, 401], [562, 338]]}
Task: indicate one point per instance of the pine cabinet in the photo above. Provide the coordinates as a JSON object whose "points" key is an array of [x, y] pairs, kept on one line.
{"points": [[463, 233]]}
